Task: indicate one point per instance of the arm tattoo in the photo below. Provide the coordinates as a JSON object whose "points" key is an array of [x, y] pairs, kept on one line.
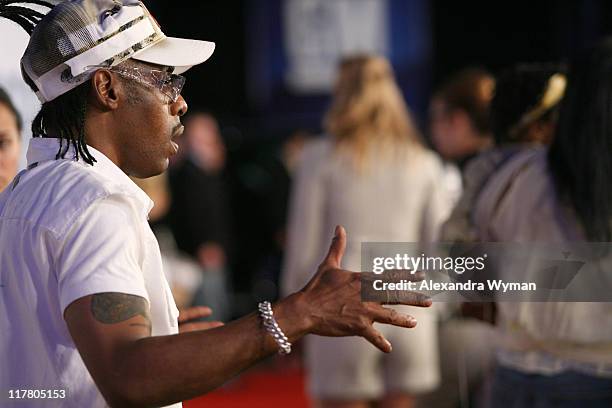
{"points": [[111, 307]]}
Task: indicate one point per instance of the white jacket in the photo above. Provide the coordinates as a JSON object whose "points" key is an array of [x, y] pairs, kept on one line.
{"points": [[519, 204]]}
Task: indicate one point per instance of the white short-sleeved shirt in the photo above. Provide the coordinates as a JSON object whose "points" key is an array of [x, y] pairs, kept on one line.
{"points": [[68, 230]]}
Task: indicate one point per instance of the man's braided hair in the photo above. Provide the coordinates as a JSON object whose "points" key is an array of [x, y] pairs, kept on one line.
{"points": [[63, 117]]}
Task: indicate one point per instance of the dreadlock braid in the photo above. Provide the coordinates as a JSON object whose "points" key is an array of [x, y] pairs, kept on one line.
{"points": [[49, 4], [63, 117], [26, 17]]}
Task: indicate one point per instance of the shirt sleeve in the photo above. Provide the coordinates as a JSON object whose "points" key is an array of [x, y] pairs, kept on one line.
{"points": [[102, 252]]}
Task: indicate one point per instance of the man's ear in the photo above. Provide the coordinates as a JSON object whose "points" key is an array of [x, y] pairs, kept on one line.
{"points": [[105, 90]]}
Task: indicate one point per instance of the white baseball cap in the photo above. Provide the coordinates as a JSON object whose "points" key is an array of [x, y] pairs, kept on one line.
{"points": [[76, 36]]}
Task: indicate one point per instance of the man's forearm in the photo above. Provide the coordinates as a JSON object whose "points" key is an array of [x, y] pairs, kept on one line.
{"points": [[166, 369]]}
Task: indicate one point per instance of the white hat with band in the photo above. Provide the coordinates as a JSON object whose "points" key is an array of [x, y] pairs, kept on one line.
{"points": [[78, 35]]}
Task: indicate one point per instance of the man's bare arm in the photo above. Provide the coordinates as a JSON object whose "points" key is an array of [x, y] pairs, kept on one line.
{"points": [[131, 368]]}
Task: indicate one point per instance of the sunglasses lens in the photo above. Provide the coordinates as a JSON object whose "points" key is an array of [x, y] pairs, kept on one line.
{"points": [[169, 84], [178, 82]]}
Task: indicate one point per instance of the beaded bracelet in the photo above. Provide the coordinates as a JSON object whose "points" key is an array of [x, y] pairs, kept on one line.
{"points": [[265, 311]]}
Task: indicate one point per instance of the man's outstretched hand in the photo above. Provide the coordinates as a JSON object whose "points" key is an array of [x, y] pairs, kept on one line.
{"points": [[332, 299]]}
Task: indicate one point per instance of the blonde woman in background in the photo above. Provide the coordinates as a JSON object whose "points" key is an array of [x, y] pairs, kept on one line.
{"points": [[373, 175]]}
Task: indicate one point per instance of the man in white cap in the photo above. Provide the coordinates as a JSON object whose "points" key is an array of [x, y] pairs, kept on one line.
{"points": [[86, 315]]}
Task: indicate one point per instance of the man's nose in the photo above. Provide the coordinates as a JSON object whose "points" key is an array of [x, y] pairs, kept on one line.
{"points": [[179, 107]]}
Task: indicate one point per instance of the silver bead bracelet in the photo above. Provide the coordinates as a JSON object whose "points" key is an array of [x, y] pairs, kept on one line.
{"points": [[265, 311]]}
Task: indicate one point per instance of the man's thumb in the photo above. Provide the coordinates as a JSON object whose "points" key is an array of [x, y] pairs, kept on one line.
{"points": [[336, 249]]}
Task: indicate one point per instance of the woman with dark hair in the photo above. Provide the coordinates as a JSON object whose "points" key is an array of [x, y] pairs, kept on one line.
{"points": [[557, 353], [460, 125], [10, 139], [525, 104], [523, 114], [459, 115], [583, 148]]}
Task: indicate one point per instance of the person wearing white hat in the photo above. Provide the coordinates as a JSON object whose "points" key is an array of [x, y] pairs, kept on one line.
{"points": [[86, 314]]}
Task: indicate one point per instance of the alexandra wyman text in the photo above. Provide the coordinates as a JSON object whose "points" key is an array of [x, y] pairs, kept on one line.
{"points": [[492, 284]]}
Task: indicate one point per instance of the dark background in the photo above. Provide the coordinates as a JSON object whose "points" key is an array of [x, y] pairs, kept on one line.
{"points": [[489, 34]]}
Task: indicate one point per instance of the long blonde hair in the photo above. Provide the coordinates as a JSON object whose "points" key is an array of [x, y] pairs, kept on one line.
{"points": [[368, 110]]}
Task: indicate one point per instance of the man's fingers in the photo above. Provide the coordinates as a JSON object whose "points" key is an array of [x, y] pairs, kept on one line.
{"points": [[402, 274], [394, 275], [415, 276], [336, 249], [376, 338], [391, 316], [195, 312], [404, 297]]}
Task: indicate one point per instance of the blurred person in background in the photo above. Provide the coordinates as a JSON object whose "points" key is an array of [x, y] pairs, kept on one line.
{"points": [[373, 175], [459, 122], [459, 115], [524, 109], [199, 212], [10, 139], [557, 354], [261, 173], [524, 112], [276, 173]]}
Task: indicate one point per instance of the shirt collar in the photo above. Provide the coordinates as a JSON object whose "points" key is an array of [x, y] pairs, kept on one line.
{"points": [[46, 148]]}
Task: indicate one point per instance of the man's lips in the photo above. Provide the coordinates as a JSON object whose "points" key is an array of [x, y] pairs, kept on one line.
{"points": [[177, 131]]}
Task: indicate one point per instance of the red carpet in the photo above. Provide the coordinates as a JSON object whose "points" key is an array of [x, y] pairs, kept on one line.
{"points": [[266, 387]]}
